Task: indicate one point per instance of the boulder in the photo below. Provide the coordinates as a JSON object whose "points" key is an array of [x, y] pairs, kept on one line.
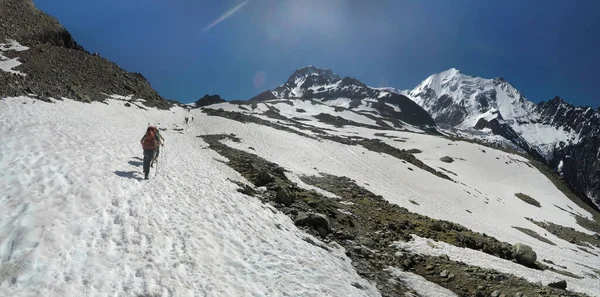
{"points": [[559, 285], [284, 197], [446, 159], [263, 178], [316, 221], [524, 254]]}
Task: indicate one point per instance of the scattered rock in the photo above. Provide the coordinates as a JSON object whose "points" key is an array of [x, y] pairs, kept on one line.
{"points": [[559, 285], [444, 274], [495, 294], [358, 286]]}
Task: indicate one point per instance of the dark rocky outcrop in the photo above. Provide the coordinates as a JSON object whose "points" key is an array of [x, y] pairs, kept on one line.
{"points": [[56, 66], [209, 100], [559, 285]]}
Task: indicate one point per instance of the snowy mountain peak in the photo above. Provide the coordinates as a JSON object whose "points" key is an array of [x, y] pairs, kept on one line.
{"points": [[499, 80], [457, 99], [494, 110], [310, 70], [315, 83]]}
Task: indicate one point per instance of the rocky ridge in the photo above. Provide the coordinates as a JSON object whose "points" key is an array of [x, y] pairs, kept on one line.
{"points": [[55, 66]]}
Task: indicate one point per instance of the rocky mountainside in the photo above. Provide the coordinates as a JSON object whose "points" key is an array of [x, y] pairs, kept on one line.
{"points": [[556, 132], [323, 84], [578, 163], [53, 65]]}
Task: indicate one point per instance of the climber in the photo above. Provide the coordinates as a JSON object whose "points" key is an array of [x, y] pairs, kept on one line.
{"points": [[149, 144]]}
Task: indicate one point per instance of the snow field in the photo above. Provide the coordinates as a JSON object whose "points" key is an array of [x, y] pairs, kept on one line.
{"points": [[481, 178], [7, 64], [77, 220]]}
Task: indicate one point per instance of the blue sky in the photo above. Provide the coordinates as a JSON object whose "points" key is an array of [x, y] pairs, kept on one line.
{"points": [[543, 47]]}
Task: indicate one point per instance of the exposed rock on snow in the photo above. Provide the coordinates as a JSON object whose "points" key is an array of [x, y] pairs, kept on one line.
{"points": [[366, 225], [524, 254], [284, 197], [447, 159], [559, 285]]}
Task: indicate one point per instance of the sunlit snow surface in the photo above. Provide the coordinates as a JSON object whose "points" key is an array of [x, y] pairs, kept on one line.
{"points": [[482, 198], [77, 220]]}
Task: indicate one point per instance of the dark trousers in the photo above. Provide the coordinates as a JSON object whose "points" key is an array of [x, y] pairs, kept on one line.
{"points": [[148, 155]]}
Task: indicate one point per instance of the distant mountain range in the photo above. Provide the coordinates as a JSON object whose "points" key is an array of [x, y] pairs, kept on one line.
{"points": [[563, 135], [490, 110]]}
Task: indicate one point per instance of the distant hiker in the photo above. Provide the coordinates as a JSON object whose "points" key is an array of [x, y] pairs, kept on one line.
{"points": [[186, 120], [149, 144], [192, 119]]}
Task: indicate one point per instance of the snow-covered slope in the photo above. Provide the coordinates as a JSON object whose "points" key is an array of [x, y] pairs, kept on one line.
{"points": [[77, 220], [487, 108], [482, 198]]}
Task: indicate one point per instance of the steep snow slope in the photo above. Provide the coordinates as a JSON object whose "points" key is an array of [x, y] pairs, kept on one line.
{"points": [[77, 220], [482, 198]]}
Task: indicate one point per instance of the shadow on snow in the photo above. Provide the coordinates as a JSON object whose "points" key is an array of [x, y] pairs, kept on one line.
{"points": [[136, 163], [129, 174]]}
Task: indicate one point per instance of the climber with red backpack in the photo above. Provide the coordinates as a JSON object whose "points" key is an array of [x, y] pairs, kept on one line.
{"points": [[150, 143]]}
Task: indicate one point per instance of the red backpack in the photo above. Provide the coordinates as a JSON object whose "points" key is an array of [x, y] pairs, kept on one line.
{"points": [[150, 142]]}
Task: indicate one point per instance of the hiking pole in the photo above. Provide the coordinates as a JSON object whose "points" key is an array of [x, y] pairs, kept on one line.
{"points": [[156, 171]]}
